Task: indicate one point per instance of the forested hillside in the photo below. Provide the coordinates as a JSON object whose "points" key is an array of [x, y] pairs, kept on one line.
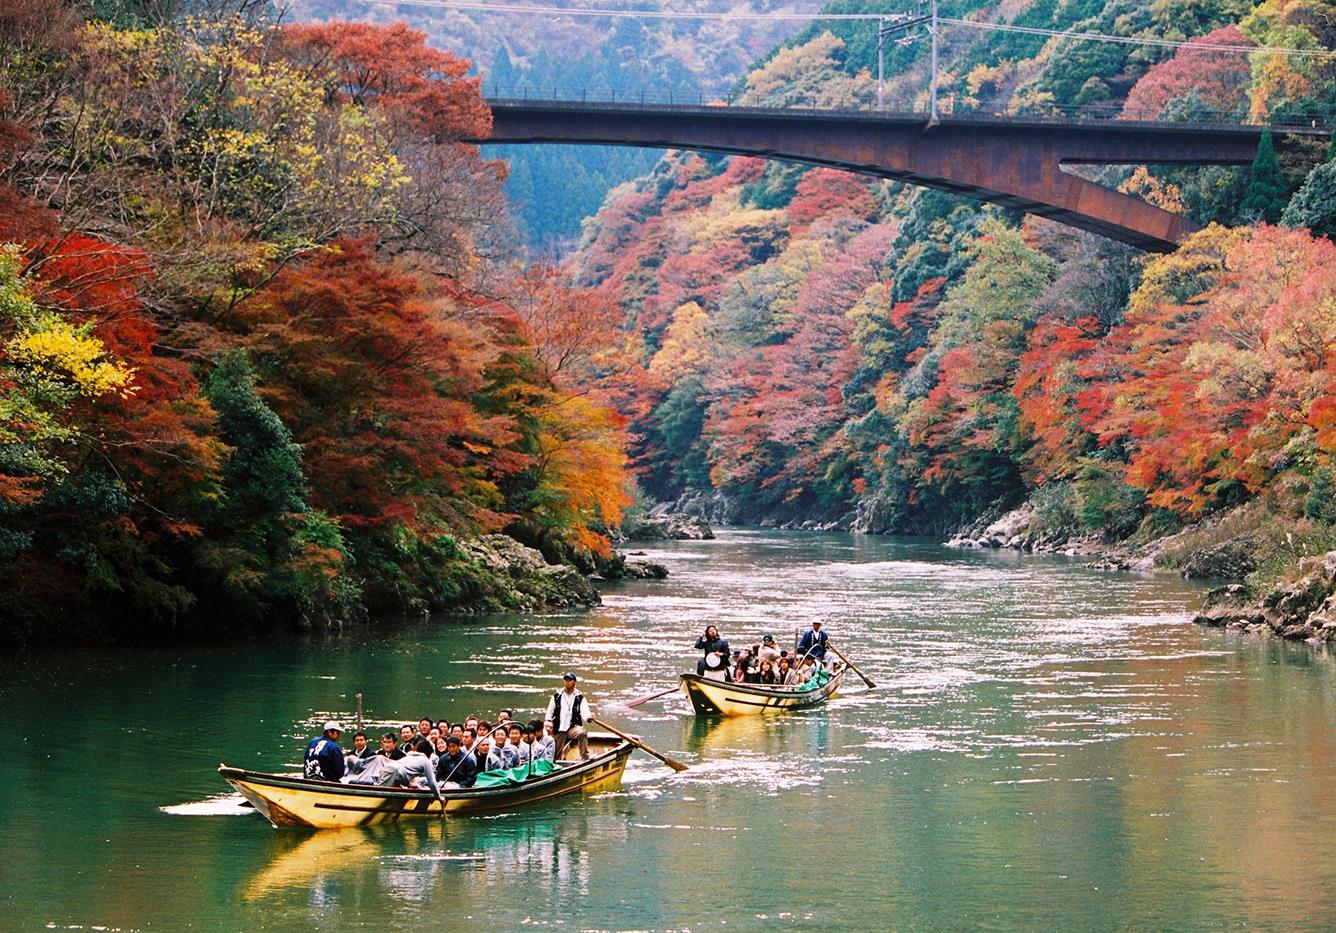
{"points": [[821, 348], [553, 188], [265, 353]]}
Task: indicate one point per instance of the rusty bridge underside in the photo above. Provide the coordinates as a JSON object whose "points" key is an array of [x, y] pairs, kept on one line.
{"points": [[1015, 162]]}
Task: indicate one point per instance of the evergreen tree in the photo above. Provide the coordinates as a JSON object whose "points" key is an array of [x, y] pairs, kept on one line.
{"points": [[1314, 204], [1265, 196], [267, 548]]}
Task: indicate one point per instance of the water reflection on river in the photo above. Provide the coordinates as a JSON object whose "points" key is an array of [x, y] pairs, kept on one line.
{"points": [[1049, 746]]}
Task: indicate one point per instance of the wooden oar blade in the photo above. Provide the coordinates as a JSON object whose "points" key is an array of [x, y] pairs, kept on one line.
{"points": [[850, 664], [652, 696], [670, 762]]}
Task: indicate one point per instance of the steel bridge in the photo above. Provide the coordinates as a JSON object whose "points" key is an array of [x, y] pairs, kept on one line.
{"points": [[1016, 162]]}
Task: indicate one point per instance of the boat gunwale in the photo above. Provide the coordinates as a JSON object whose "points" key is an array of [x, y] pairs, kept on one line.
{"points": [[822, 692], [297, 782]]}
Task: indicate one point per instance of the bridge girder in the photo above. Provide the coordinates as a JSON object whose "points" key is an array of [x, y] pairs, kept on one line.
{"points": [[1014, 162]]}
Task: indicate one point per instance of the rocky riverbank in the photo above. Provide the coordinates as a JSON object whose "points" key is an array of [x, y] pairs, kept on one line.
{"points": [[1304, 609], [507, 575]]}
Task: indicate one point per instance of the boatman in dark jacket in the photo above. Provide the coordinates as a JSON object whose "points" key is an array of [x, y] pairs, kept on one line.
{"points": [[814, 643], [569, 712], [710, 643], [324, 758], [455, 768]]}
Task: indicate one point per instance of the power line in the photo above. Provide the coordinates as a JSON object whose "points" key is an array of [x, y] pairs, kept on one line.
{"points": [[540, 9], [630, 14], [1135, 40]]}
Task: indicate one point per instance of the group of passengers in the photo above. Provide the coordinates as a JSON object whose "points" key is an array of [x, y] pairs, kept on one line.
{"points": [[439, 755], [764, 663]]}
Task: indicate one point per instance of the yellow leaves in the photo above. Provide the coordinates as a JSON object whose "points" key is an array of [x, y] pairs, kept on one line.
{"points": [[1150, 189], [46, 349], [62, 353], [685, 347], [1182, 276], [581, 467]]}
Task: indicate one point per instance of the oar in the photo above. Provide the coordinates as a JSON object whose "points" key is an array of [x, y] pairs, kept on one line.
{"points": [[670, 762], [652, 696], [850, 664]]}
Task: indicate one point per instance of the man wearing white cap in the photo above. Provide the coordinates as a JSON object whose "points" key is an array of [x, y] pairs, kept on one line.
{"points": [[569, 711], [324, 758]]}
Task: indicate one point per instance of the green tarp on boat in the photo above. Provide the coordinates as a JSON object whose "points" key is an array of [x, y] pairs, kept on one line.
{"points": [[509, 777], [820, 680]]}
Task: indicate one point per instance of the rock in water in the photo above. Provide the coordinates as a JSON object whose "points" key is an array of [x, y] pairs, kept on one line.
{"points": [[517, 577], [667, 528]]}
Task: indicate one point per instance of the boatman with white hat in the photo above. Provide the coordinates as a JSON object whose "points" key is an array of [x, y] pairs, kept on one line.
{"points": [[324, 758], [569, 712], [814, 643]]}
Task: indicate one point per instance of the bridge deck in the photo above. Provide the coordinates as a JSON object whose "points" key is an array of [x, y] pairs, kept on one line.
{"points": [[1015, 162]]}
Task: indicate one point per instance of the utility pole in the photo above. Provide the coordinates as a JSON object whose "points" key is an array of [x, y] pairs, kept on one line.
{"points": [[881, 63], [932, 93], [903, 22]]}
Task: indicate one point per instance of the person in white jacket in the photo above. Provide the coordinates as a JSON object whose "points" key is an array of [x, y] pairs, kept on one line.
{"points": [[570, 712]]}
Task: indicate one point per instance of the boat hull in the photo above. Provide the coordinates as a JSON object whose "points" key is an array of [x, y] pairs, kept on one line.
{"points": [[291, 800], [713, 698]]}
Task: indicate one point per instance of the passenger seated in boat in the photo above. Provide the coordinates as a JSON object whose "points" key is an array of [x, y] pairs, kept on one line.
{"points": [[710, 643], [413, 770], [507, 753], [355, 760], [443, 726], [741, 666], [388, 748], [454, 768], [424, 727], [807, 673], [543, 745], [516, 740], [466, 739], [766, 674], [794, 676], [438, 748], [406, 739], [782, 672], [768, 651], [324, 759]]}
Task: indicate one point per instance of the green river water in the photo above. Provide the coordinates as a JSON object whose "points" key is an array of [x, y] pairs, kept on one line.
{"points": [[1049, 747]]}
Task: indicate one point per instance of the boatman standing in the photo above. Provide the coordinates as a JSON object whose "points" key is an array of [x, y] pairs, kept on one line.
{"points": [[569, 712], [813, 643], [324, 758]]}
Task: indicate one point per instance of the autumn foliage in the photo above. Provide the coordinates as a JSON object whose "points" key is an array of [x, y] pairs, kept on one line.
{"points": [[248, 370]]}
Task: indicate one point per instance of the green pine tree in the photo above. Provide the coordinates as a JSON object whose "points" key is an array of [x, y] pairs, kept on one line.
{"points": [[1267, 192], [268, 550]]}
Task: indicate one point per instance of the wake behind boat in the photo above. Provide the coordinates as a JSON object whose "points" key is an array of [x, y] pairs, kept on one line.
{"points": [[294, 800]]}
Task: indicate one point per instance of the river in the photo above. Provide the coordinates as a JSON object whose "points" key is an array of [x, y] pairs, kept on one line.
{"points": [[1048, 747]]}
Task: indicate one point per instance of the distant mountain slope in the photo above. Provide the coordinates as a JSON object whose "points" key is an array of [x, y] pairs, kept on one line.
{"points": [[828, 348], [553, 188]]}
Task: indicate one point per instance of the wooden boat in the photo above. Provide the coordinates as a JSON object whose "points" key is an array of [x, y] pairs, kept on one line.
{"points": [[292, 800], [718, 698]]}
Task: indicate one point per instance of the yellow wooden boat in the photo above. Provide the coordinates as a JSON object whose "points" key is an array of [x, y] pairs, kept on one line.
{"points": [[719, 698], [292, 800]]}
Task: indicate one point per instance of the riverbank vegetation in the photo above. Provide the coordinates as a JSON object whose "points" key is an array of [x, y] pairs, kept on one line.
{"points": [[265, 352], [826, 350]]}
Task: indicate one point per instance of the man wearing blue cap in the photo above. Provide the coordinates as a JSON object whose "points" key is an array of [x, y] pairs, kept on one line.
{"points": [[569, 712]]}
